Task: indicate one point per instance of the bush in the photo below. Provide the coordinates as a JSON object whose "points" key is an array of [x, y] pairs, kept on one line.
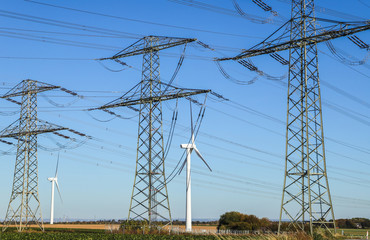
{"points": [[238, 221]]}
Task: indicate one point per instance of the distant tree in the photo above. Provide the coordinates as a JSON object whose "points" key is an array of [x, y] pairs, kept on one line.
{"points": [[238, 221], [240, 226], [366, 223], [265, 223], [253, 221], [229, 218], [353, 223]]}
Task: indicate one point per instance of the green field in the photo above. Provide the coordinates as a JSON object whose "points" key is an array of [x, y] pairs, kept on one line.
{"points": [[353, 232], [104, 236], [89, 236], [356, 233]]}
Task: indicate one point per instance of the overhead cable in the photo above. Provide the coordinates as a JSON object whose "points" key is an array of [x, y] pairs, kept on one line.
{"points": [[140, 21]]}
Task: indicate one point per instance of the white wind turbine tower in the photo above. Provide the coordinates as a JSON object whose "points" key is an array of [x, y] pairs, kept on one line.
{"points": [[54, 180], [189, 148]]}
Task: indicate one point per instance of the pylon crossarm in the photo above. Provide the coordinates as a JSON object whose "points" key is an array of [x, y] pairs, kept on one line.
{"points": [[13, 131], [339, 30], [140, 47], [179, 94], [10, 129], [19, 90]]}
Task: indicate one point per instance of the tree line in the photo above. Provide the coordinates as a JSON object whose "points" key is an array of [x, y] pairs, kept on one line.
{"points": [[353, 223], [239, 221]]}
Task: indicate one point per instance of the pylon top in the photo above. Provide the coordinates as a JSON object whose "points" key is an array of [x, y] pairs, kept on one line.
{"points": [[19, 90], [156, 43], [279, 43]]}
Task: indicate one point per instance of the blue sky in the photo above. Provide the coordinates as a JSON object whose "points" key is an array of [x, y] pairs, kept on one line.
{"points": [[242, 139]]}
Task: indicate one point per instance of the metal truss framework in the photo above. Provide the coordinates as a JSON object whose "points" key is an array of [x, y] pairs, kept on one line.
{"points": [[306, 196], [306, 199], [323, 34], [24, 205], [149, 201]]}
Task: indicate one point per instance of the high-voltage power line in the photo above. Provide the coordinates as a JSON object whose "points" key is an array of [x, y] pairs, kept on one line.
{"points": [[24, 205], [306, 199], [149, 201]]}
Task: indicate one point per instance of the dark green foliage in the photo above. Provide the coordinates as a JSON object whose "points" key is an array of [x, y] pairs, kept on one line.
{"points": [[239, 221], [228, 218], [353, 223]]}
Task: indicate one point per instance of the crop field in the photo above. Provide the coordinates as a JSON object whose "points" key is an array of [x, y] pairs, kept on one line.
{"points": [[103, 236], [99, 231], [77, 226], [353, 232], [71, 226], [96, 232]]}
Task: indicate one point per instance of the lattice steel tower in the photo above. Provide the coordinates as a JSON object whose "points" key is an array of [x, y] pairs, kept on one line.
{"points": [[24, 205], [306, 199], [149, 199], [306, 195]]}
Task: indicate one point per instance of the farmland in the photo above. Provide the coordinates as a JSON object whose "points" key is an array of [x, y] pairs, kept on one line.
{"points": [[103, 236], [96, 231], [354, 232], [101, 231]]}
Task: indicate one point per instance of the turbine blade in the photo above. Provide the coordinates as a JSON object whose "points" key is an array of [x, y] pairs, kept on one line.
{"points": [[56, 170], [60, 195], [201, 157], [191, 119]]}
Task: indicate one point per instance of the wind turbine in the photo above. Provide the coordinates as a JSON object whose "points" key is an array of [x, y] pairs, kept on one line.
{"points": [[189, 149], [54, 180]]}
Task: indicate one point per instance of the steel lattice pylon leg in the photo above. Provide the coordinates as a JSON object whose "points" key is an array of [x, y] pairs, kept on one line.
{"points": [[24, 205], [306, 199], [149, 199]]}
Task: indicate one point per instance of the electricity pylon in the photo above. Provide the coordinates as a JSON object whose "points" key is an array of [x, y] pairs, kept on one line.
{"points": [[149, 200], [306, 199], [24, 205]]}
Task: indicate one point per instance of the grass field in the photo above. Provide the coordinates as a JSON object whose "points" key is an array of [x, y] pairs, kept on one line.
{"points": [[99, 232], [353, 232], [103, 236]]}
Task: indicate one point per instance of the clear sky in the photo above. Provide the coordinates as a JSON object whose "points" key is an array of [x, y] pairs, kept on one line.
{"points": [[243, 139]]}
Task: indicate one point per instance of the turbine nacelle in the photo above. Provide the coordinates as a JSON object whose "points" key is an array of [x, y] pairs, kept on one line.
{"points": [[188, 146], [191, 146]]}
